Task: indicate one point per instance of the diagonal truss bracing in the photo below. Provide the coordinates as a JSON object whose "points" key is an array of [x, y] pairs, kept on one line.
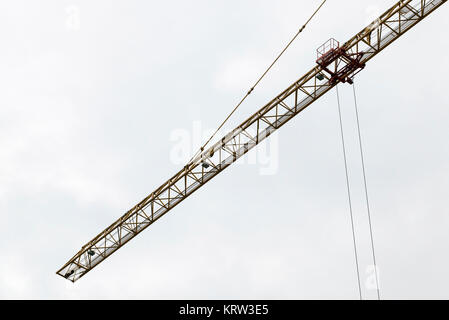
{"points": [[302, 93]]}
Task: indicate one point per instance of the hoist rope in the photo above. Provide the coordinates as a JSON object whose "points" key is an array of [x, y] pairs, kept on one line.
{"points": [[349, 194], [257, 82], [366, 191]]}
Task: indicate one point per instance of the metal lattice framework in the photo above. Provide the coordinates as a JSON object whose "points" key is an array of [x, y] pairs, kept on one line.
{"points": [[324, 76]]}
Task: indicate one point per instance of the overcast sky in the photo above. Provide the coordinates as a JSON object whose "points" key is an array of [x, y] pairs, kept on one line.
{"points": [[96, 97]]}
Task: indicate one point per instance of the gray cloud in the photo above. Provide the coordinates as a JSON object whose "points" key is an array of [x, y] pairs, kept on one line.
{"points": [[85, 121]]}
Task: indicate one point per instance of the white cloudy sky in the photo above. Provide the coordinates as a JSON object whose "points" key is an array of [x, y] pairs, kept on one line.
{"points": [[94, 92]]}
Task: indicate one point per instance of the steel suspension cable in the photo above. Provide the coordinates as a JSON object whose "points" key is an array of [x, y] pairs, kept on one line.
{"points": [[349, 195], [258, 81], [366, 191]]}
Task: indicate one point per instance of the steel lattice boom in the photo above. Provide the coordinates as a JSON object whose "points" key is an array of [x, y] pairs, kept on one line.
{"points": [[335, 64]]}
